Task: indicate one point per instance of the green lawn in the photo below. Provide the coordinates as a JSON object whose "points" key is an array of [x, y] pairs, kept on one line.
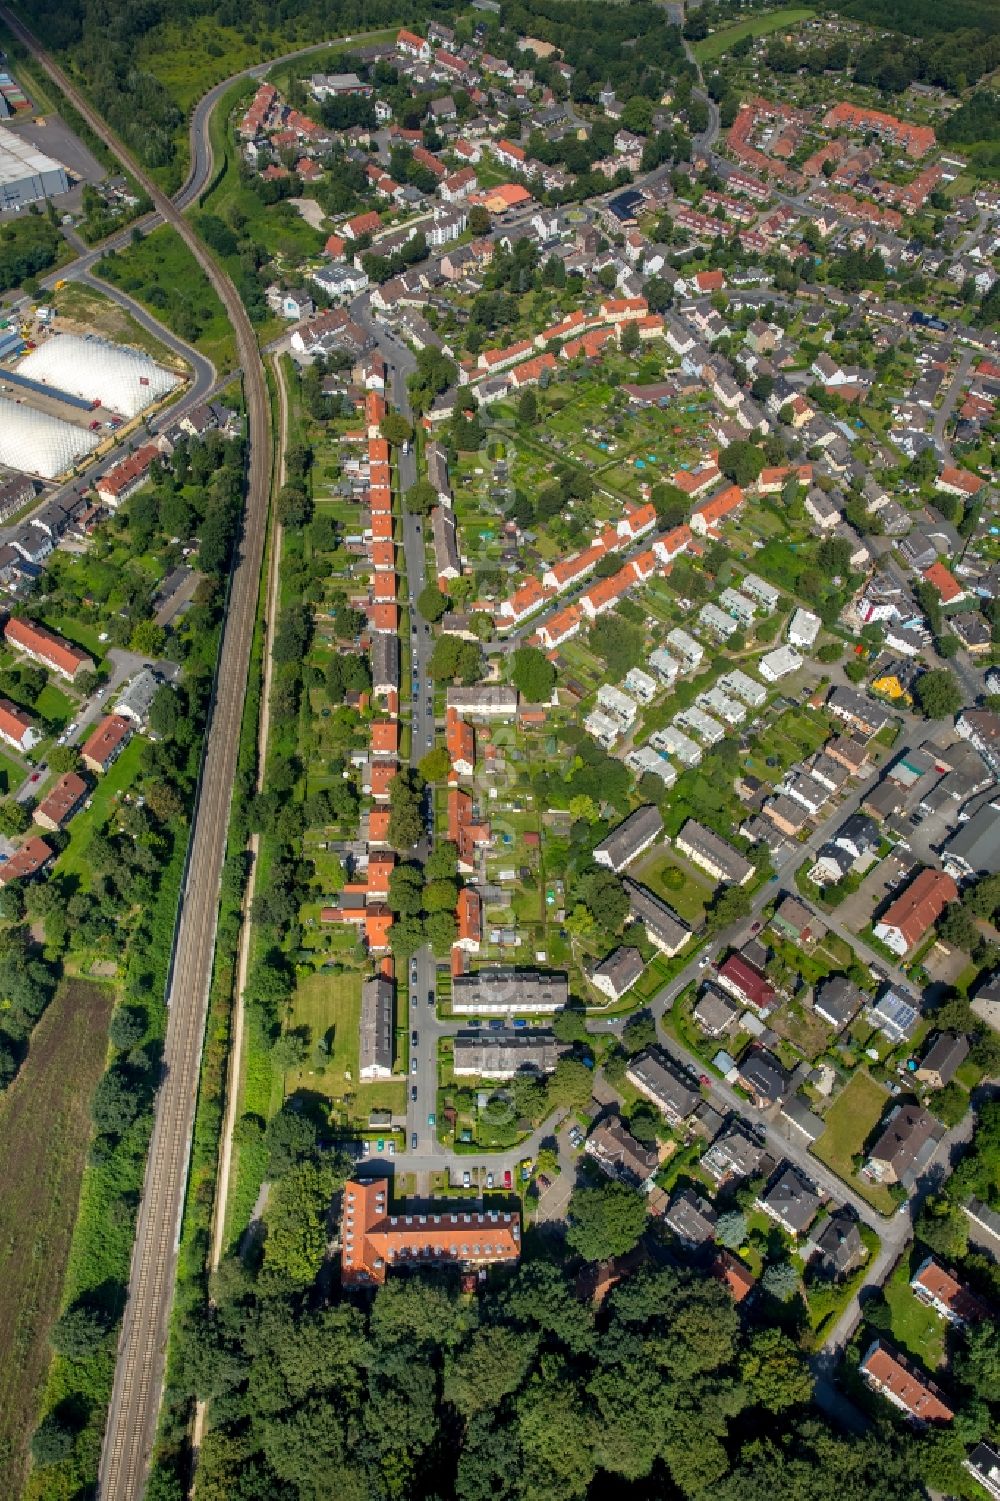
{"points": [[73, 860], [671, 878], [330, 1005], [712, 47], [162, 274], [850, 1121], [52, 704], [916, 1329], [11, 774]]}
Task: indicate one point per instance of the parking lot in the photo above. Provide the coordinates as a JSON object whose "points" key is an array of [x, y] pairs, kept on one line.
{"points": [[857, 909]]}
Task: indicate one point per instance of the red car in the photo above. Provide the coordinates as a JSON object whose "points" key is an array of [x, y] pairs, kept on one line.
{"points": [[508, 1181]]}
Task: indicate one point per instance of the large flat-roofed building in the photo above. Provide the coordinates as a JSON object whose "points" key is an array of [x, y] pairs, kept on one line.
{"points": [[501, 1055], [508, 992], [27, 175], [372, 1240], [376, 1028]]}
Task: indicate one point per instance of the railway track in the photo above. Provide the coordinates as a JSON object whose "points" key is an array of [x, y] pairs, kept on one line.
{"points": [[138, 1382]]}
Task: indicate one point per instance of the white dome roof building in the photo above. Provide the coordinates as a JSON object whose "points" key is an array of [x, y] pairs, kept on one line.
{"points": [[121, 380], [35, 443]]}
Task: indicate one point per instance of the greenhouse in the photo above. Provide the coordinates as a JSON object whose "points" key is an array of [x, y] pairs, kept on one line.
{"points": [[121, 380], [36, 443]]}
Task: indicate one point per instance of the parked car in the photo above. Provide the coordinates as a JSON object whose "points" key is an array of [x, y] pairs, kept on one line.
{"points": [[508, 1181], [466, 1180], [414, 1139], [413, 1065], [432, 1119], [414, 1039], [489, 1180], [413, 1093]]}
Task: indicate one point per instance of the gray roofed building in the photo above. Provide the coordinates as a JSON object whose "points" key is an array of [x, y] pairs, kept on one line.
{"points": [[791, 1200], [975, 849], [906, 1144], [763, 1077], [136, 697], [715, 1012], [447, 559], [625, 843], [981, 728], [484, 701], [734, 1154], [501, 1055], [385, 662], [983, 1464], [859, 711], [668, 1086], [943, 1059], [437, 470], [713, 854], [894, 1014], [837, 1245], [507, 992], [618, 972], [691, 1218], [838, 1001], [616, 1151], [663, 926], [376, 1028], [797, 1112]]}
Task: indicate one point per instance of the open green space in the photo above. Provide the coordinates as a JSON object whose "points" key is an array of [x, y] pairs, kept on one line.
{"points": [[714, 46], [54, 705], [330, 1006], [671, 877], [11, 774], [45, 1128], [162, 274], [850, 1121], [916, 1328]]}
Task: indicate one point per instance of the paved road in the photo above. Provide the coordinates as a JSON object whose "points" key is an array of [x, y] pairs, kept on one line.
{"points": [[138, 1379], [419, 982], [954, 391]]}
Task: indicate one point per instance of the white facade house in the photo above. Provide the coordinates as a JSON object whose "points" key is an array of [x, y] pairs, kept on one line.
{"points": [[803, 628], [779, 663], [617, 705]]}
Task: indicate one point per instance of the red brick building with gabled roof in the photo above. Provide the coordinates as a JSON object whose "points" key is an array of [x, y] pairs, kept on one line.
{"points": [[46, 648], [373, 1240], [106, 743]]}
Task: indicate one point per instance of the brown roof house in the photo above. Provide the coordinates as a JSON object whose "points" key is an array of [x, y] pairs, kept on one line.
{"points": [[106, 743], [905, 1146]]}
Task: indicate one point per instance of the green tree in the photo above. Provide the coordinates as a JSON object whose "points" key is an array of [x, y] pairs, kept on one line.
{"points": [[728, 906], [605, 1221], [938, 694], [431, 603], [79, 1332], [148, 639], [53, 1441], [527, 408], [570, 1084], [296, 1223], [533, 674], [421, 498], [14, 818], [395, 429], [775, 1369], [781, 1280], [731, 1229], [435, 765], [741, 462]]}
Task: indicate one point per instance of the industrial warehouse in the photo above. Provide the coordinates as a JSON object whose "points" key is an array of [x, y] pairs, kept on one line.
{"points": [[27, 175]]}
